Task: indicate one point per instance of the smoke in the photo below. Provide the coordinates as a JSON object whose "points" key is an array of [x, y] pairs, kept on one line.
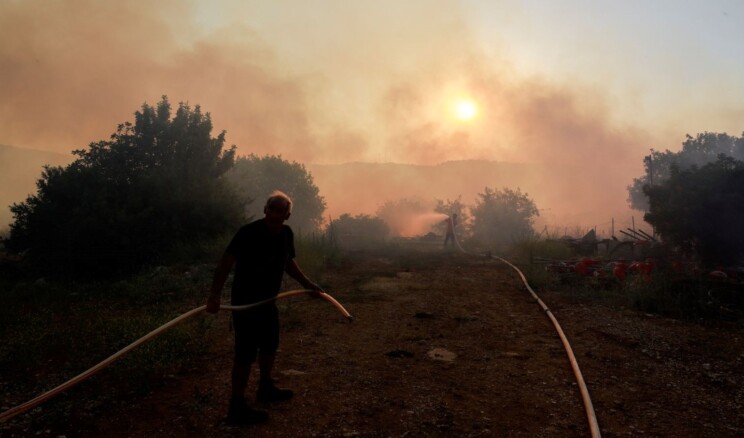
{"points": [[320, 83], [72, 70], [410, 224], [374, 84]]}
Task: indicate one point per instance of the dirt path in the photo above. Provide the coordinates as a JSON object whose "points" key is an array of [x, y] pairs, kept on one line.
{"points": [[390, 372], [380, 377]]}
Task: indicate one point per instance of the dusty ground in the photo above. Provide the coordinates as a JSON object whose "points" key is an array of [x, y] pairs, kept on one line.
{"points": [[383, 375]]}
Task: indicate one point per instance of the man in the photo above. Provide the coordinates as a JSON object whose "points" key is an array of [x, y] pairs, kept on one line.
{"points": [[451, 224], [261, 252]]}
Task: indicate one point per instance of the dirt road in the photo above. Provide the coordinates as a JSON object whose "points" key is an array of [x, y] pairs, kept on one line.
{"points": [[446, 344]]}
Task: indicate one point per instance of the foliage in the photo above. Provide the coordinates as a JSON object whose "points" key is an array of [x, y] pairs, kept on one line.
{"points": [[129, 201], [700, 150], [701, 209], [503, 216], [255, 178]]}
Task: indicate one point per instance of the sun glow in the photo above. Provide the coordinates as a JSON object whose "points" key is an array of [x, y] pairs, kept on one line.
{"points": [[466, 109]]}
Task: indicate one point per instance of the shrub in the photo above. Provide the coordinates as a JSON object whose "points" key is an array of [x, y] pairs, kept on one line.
{"points": [[128, 201], [700, 209], [502, 217]]}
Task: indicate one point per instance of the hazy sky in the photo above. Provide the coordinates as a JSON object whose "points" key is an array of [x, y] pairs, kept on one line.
{"points": [[336, 81], [375, 80]]}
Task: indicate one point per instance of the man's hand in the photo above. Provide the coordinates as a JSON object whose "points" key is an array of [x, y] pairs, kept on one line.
{"points": [[213, 304]]}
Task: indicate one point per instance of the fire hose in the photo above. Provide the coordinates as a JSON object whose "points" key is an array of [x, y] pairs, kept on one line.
{"points": [[588, 405], [10, 413]]}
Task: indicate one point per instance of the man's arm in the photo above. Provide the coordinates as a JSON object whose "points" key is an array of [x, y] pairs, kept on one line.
{"points": [[295, 272], [218, 282]]}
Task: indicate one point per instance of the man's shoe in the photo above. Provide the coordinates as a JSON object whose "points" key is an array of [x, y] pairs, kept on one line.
{"points": [[239, 413], [267, 392]]}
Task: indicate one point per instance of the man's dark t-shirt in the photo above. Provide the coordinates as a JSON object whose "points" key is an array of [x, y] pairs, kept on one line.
{"points": [[261, 258]]}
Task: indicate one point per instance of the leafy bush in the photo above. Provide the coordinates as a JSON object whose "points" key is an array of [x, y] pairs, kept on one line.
{"points": [[700, 210], [129, 201], [502, 217]]}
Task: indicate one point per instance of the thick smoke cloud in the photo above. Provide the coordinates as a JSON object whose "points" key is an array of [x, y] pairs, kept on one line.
{"points": [[71, 71], [350, 82]]}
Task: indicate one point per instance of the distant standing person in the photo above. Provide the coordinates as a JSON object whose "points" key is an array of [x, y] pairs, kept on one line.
{"points": [[451, 224], [261, 252]]}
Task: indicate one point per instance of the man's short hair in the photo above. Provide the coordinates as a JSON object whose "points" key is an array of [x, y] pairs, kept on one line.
{"points": [[278, 198]]}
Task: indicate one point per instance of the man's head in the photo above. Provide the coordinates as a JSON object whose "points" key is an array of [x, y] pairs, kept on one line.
{"points": [[278, 207]]}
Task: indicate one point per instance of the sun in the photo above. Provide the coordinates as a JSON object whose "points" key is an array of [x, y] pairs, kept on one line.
{"points": [[466, 109]]}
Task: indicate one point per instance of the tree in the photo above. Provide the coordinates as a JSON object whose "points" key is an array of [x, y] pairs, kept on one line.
{"points": [[702, 208], [254, 178], [503, 216], [154, 186], [700, 150]]}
